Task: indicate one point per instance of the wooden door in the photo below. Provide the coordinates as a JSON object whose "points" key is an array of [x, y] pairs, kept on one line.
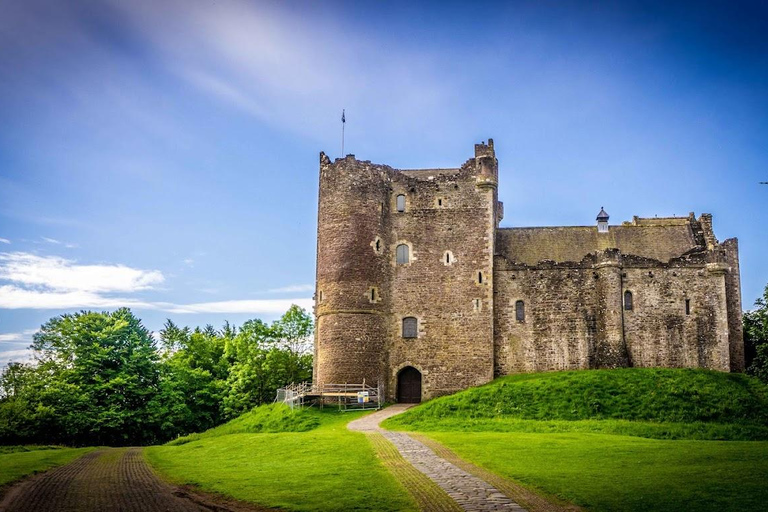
{"points": [[409, 385]]}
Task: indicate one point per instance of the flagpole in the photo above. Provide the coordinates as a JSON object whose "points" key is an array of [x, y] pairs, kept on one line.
{"points": [[343, 122]]}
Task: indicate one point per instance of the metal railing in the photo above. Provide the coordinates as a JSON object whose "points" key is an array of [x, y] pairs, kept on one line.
{"points": [[348, 396]]}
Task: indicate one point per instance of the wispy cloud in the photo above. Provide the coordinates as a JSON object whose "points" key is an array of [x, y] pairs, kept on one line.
{"points": [[288, 68], [52, 282], [19, 356], [294, 288], [53, 241], [17, 337], [12, 297], [240, 306], [4, 241], [63, 275]]}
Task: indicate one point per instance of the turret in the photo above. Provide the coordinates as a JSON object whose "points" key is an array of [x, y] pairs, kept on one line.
{"points": [[351, 297], [602, 221]]}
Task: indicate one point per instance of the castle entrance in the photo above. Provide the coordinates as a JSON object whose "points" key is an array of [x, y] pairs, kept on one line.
{"points": [[409, 385]]}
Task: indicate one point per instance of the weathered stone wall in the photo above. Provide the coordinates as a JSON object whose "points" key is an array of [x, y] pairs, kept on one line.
{"points": [[575, 315], [733, 297], [446, 212], [464, 276], [351, 334], [658, 330], [560, 324]]}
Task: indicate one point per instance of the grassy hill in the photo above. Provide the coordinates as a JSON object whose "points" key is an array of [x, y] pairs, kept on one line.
{"points": [[294, 460], [646, 402]]}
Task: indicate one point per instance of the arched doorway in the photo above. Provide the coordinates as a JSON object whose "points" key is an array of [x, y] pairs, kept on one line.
{"points": [[409, 385]]}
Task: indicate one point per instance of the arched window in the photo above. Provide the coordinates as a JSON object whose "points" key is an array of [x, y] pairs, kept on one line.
{"points": [[520, 311], [410, 327], [628, 300], [403, 255], [400, 202]]}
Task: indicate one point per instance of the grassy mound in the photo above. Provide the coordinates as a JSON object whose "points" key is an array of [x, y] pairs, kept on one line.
{"points": [[301, 460], [271, 418], [649, 402]]}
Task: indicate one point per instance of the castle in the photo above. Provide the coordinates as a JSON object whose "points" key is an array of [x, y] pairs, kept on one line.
{"points": [[420, 290]]}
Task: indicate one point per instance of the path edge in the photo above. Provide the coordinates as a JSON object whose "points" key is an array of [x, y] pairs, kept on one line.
{"points": [[528, 499]]}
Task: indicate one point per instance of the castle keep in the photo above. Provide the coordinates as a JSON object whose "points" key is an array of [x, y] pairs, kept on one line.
{"points": [[420, 290]]}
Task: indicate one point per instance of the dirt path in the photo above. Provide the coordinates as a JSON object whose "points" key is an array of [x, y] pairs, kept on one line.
{"points": [[112, 479]]}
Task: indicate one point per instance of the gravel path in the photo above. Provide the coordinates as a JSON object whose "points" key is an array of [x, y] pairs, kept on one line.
{"points": [[112, 479], [470, 492]]}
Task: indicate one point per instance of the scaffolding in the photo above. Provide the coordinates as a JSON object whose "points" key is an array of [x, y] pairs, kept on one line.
{"points": [[348, 397]]}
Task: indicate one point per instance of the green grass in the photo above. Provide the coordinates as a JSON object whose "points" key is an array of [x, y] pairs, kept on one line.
{"points": [[17, 462], [314, 463], [619, 473], [655, 403], [266, 419]]}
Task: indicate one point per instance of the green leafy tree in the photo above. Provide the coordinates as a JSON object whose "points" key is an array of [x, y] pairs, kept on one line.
{"points": [[193, 379], [95, 377], [756, 338]]}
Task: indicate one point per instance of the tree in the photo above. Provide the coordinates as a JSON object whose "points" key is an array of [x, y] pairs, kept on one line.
{"points": [[95, 376], [193, 379], [756, 338]]}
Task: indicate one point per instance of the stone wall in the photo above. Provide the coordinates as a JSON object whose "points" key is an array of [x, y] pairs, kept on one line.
{"points": [[464, 276]]}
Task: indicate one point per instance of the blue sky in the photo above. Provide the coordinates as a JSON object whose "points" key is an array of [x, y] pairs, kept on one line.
{"points": [[164, 155]]}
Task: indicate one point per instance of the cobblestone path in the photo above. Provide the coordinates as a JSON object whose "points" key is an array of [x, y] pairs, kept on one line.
{"points": [[470, 492], [112, 479]]}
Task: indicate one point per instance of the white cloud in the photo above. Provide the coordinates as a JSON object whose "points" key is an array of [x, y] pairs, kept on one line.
{"points": [[62, 275], [18, 356], [294, 288], [188, 262], [50, 240], [18, 337], [4, 241], [289, 67], [240, 306], [13, 297], [52, 282]]}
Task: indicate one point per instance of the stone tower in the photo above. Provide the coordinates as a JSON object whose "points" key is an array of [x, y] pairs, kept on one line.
{"points": [[405, 275]]}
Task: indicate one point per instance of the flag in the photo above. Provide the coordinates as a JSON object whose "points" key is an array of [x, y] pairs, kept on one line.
{"points": [[343, 119]]}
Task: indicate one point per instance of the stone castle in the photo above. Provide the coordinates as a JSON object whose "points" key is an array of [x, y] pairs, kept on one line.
{"points": [[421, 291]]}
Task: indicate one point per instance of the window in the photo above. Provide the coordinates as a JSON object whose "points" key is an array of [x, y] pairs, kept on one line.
{"points": [[448, 258], [628, 300], [479, 278], [520, 311], [477, 304], [687, 306], [403, 255], [378, 245], [401, 203], [439, 202], [410, 327]]}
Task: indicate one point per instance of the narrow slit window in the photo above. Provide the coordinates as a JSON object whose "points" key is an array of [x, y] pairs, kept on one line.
{"points": [[687, 306], [373, 293], [378, 245], [400, 202], [410, 327], [439, 202], [520, 311], [480, 277], [403, 255], [628, 300], [447, 257]]}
